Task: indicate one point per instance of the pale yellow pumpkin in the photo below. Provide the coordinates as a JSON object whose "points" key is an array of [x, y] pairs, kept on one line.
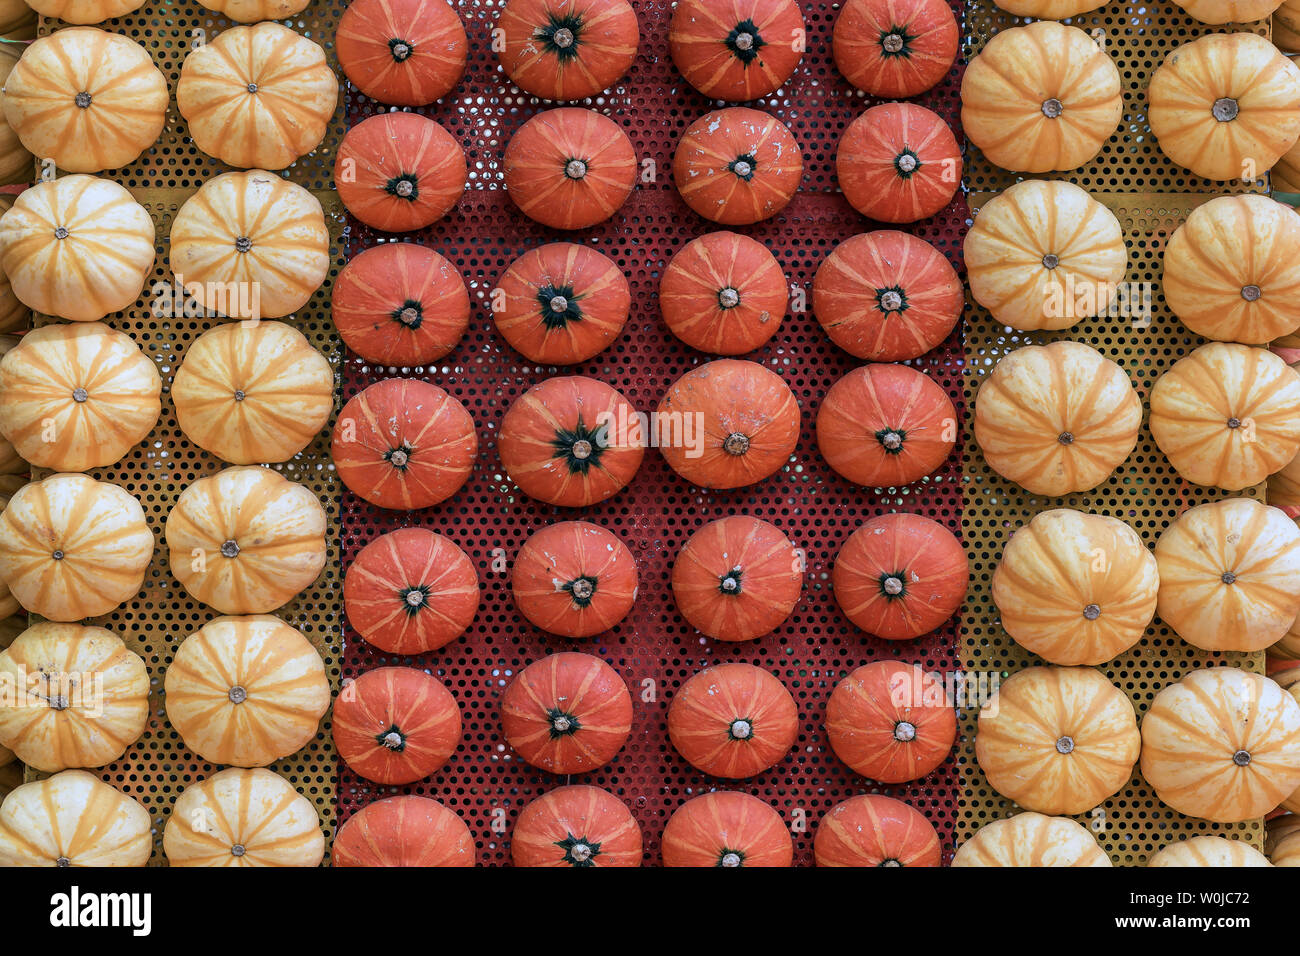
{"points": [[80, 696], [246, 691], [11, 463], [1050, 9], [243, 818], [1229, 11], [14, 316], [17, 19], [1289, 680], [1282, 843], [1285, 176], [84, 11], [9, 605], [252, 11], [1287, 647], [1031, 839], [252, 392], [73, 819], [1208, 851], [1286, 26], [16, 163]]}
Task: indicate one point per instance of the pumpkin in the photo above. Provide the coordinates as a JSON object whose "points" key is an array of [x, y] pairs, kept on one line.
{"points": [[1282, 844], [1285, 176], [1032, 840], [886, 426], [73, 819], [72, 547], [1057, 418], [250, 245], [1222, 744], [1288, 646], [737, 166], [1076, 588], [1229, 11], [898, 162], [243, 818], [84, 11], [18, 19], [1286, 26], [16, 163], [566, 49], [251, 392], [9, 607], [402, 52], [403, 443], [1044, 255], [733, 721], [1287, 676], [569, 168], [14, 316], [246, 540], [890, 721], [1227, 415], [1230, 575], [577, 826], [736, 423], [1049, 9], [1041, 97], [75, 397], [246, 691], [259, 97], [86, 99], [411, 591], [736, 49], [726, 828], [574, 579], [571, 441], [77, 247], [723, 293], [399, 304], [253, 11], [895, 48], [78, 697], [1208, 851], [403, 831], [900, 576], [561, 304], [396, 725], [737, 578], [874, 830], [567, 713], [887, 296]]}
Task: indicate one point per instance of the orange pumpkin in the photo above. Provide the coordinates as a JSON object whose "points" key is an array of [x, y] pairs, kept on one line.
{"points": [[566, 49], [874, 830], [736, 49], [726, 828], [737, 166], [14, 315], [895, 48], [1288, 678], [402, 52], [737, 579], [733, 721], [574, 579], [561, 304], [898, 162], [886, 426], [748, 416], [567, 713], [576, 826], [250, 11], [1208, 851], [891, 722], [404, 444], [1031, 840], [403, 831], [396, 725], [1229, 11], [84, 11]]}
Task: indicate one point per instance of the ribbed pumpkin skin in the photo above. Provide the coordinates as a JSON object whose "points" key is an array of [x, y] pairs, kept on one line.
{"points": [[737, 166], [561, 303], [569, 168], [411, 591], [17, 19], [1076, 588], [254, 11], [895, 48], [571, 441], [243, 818], [101, 532], [566, 49], [396, 725], [403, 831], [567, 713], [705, 40], [1283, 842], [399, 171], [73, 816], [574, 579], [1286, 26], [14, 316], [883, 426], [900, 576], [1229, 11], [246, 691], [577, 826], [15, 160], [1031, 840], [890, 722], [98, 268], [42, 378], [1196, 727], [1230, 575], [278, 532], [874, 830], [750, 421], [288, 250], [9, 605], [733, 721], [1227, 415], [1057, 418], [252, 393], [726, 828], [51, 661], [1288, 678], [1050, 9], [402, 52], [1208, 851], [737, 578], [898, 162], [404, 444], [84, 11], [127, 99], [1285, 176]]}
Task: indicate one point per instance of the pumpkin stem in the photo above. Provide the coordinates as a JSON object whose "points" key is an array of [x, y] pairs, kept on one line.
{"points": [[1065, 438], [728, 298], [409, 314], [578, 851], [230, 548], [561, 36], [237, 694], [1228, 577], [1225, 110], [741, 728], [1052, 108], [400, 49], [904, 731], [744, 166], [399, 458], [79, 395], [1251, 293], [1241, 758], [238, 850], [744, 41], [392, 739], [1051, 261], [891, 439], [60, 232], [562, 724], [1065, 745], [59, 702], [575, 168], [736, 444], [582, 590], [892, 584], [82, 99], [1092, 612], [895, 42], [1234, 422], [243, 244], [581, 447], [889, 862], [404, 186], [731, 858], [57, 554], [414, 598], [559, 306], [891, 300], [907, 163], [729, 583], [63, 862], [240, 395]]}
